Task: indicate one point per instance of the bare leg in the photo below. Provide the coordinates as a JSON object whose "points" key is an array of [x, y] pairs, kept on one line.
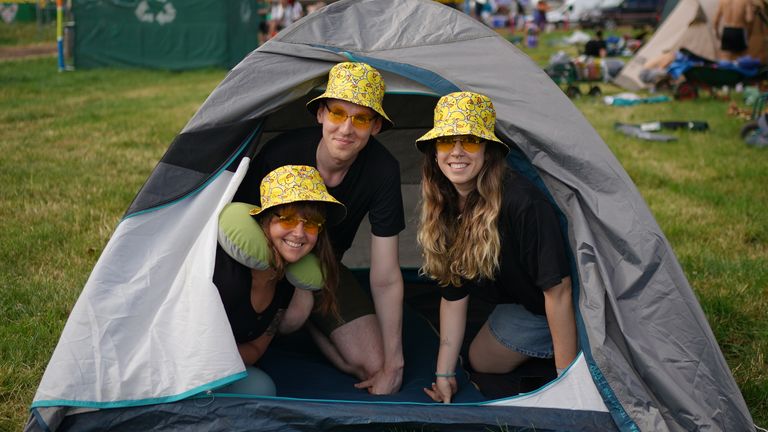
{"points": [[488, 355], [331, 353], [357, 346]]}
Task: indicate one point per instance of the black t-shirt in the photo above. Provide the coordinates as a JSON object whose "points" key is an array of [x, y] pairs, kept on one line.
{"points": [[372, 184], [593, 47], [533, 255], [233, 281]]}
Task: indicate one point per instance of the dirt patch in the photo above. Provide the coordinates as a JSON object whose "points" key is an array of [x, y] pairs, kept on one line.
{"points": [[26, 51]]}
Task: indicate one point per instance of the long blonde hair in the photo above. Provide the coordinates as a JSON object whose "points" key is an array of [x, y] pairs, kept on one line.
{"points": [[323, 249], [461, 244]]}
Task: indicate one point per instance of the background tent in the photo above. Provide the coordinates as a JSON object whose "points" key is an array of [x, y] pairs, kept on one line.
{"points": [[164, 34], [148, 343], [758, 32], [688, 26]]}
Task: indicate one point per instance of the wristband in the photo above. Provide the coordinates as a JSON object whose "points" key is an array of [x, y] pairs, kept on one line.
{"points": [[445, 375]]}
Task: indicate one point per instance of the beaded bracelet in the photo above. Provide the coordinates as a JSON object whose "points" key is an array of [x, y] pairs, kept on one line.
{"points": [[445, 375]]}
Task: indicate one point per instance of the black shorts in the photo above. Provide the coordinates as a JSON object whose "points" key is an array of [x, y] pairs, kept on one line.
{"points": [[734, 39], [352, 300]]}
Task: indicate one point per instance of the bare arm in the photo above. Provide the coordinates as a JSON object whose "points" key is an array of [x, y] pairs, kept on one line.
{"points": [[558, 303], [298, 311], [387, 292], [453, 319], [252, 351]]}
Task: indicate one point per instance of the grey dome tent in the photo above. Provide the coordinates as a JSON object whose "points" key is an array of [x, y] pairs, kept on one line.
{"points": [[147, 345]]}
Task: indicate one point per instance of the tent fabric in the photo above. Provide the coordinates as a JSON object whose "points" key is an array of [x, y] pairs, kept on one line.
{"points": [[688, 26], [148, 330]]}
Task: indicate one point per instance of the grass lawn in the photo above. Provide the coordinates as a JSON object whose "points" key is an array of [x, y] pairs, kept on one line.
{"points": [[76, 147], [24, 33]]}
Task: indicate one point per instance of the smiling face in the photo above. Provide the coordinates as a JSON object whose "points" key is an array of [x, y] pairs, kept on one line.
{"points": [[293, 232], [345, 133], [460, 166]]}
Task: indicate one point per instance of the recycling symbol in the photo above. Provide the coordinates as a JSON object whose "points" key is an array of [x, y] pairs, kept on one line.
{"points": [[155, 11]]}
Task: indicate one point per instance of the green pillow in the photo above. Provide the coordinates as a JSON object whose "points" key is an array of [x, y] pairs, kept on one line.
{"points": [[242, 238], [305, 273]]}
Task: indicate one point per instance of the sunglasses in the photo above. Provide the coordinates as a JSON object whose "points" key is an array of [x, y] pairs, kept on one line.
{"points": [[470, 143], [291, 221], [338, 116]]}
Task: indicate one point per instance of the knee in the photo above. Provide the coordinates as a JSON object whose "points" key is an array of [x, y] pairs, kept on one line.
{"points": [[368, 361], [361, 363], [360, 344]]}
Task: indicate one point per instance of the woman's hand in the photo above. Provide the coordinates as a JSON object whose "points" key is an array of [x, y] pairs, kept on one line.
{"points": [[453, 319], [442, 389]]}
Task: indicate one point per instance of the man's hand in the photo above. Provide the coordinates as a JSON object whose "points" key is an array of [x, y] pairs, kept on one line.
{"points": [[442, 389], [385, 381]]}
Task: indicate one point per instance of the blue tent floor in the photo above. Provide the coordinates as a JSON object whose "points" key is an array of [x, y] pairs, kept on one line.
{"points": [[300, 371]]}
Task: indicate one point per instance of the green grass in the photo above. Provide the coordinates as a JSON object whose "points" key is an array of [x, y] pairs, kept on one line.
{"points": [[76, 147], [25, 33]]}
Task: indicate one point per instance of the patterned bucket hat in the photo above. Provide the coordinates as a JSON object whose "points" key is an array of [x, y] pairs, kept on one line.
{"points": [[462, 113], [298, 183], [358, 83]]}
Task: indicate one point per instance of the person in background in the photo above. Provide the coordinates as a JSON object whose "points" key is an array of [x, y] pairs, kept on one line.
{"points": [[282, 14], [366, 341], [540, 15], [258, 247], [655, 70], [518, 20], [293, 11], [486, 231], [597, 46], [732, 19]]}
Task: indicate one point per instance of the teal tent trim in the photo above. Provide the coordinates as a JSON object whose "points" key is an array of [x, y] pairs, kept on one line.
{"points": [[141, 402]]}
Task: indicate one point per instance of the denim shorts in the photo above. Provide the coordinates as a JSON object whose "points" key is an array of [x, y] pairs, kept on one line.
{"points": [[522, 331]]}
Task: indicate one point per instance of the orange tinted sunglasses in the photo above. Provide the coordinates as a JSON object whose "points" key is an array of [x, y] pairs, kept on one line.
{"points": [[291, 221], [470, 143], [338, 116]]}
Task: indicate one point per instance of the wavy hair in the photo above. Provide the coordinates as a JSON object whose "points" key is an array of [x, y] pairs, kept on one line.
{"points": [[323, 249], [461, 244]]}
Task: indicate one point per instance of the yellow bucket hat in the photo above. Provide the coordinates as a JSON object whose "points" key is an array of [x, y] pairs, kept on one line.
{"points": [[298, 183], [462, 113], [358, 83]]}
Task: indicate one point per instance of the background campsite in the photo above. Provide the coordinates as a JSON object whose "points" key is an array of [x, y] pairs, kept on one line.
{"points": [[77, 146]]}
